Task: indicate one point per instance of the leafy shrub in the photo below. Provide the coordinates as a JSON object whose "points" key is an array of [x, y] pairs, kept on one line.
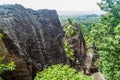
{"points": [[71, 31], [6, 67], [69, 50], [61, 72], [105, 35]]}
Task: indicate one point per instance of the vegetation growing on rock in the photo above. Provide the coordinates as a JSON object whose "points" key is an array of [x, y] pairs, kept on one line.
{"points": [[61, 72], [6, 66]]}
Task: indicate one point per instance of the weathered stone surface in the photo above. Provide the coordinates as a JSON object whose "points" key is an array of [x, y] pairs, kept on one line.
{"points": [[21, 66], [36, 36], [80, 49], [98, 76], [84, 60]]}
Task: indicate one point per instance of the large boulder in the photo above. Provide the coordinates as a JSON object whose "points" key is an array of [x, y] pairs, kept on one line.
{"points": [[36, 36]]}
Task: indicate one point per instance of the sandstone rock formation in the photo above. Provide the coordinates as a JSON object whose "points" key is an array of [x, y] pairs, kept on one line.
{"points": [[34, 36]]}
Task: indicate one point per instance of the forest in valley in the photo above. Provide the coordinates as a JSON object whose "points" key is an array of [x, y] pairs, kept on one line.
{"points": [[102, 33], [83, 35]]}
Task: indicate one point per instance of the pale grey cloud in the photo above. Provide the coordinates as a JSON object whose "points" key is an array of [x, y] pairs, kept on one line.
{"points": [[60, 5]]}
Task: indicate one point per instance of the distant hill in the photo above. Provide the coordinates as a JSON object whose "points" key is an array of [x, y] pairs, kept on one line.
{"points": [[77, 13], [79, 18], [70, 13]]}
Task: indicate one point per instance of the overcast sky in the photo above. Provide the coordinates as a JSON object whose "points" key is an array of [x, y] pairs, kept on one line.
{"points": [[60, 5]]}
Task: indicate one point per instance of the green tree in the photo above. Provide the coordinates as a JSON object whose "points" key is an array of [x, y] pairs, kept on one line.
{"points": [[61, 72], [105, 35], [112, 7], [70, 31]]}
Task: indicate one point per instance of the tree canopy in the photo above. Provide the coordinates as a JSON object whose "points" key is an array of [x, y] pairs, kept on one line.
{"points": [[105, 35]]}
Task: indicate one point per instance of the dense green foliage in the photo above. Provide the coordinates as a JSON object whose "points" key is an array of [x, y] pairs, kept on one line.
{"points": [[61, 72], [85, 22], [68, 49], [71, 30], [6, 67], [105, 35], [109, 49], [112, 7], [83, 19]]}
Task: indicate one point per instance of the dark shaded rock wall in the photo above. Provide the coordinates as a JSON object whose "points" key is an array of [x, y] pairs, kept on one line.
{"points": [[36, 36], [21, 73]]}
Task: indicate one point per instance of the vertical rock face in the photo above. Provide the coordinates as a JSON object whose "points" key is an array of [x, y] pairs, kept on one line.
{"points": [[34, 35], [21, 73]]}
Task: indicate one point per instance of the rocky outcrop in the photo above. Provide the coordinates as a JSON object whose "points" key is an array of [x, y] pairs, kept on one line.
{"points": [[34, 36], [21, 67], [98, 76], [84, 59]]}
